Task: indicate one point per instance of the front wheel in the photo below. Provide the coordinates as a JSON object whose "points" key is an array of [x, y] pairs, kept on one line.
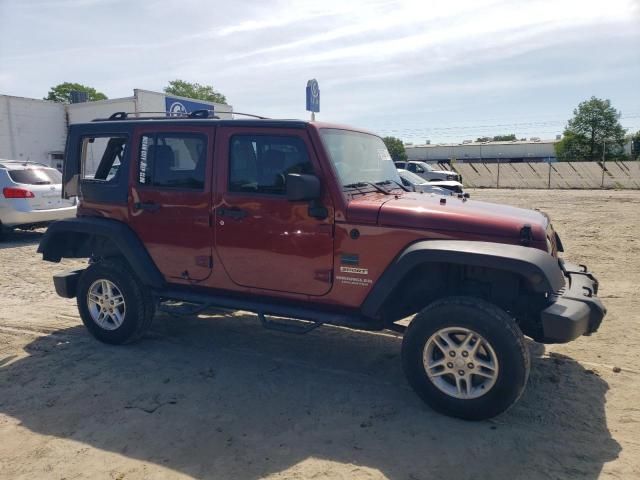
{"points": [[114, 306], [466, 358]]}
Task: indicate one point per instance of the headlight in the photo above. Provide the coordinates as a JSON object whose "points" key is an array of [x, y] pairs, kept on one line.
{"points": [[549, 245]]}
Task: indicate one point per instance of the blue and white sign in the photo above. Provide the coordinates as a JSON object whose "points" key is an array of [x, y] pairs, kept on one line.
{"points": [[313, 96], [179, 106]]}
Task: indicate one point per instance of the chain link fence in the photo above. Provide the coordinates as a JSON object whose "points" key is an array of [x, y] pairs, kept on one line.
{"points": [[569, 175]]}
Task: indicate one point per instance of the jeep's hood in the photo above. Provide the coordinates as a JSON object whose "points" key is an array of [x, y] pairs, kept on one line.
{"points": [[425, 211]]}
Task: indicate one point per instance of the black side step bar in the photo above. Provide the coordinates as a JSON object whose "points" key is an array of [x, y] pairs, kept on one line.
{"points": [[312, 317], [299, 328]]}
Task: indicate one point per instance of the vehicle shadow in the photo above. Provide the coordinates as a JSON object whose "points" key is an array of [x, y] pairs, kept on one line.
{"points": [[222, 398], [20, 238]]}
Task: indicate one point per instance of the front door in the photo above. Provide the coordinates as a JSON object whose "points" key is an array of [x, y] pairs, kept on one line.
{"points": [[265, 241], [170, 199]]}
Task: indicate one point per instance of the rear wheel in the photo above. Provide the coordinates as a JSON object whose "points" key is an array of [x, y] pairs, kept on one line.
{"points": [[113, 304], [466, 358]]}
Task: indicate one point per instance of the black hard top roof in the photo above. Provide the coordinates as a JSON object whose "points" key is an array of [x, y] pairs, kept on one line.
{"points": [[121, 121], [204, 121]]}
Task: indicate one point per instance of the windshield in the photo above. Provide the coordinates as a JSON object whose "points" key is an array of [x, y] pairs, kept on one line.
{"points": [[412, 178], [359, 157], [426, 166], [36, 176]]}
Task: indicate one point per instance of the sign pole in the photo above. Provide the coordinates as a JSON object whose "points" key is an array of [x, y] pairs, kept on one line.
{"points": [[603, 160]]}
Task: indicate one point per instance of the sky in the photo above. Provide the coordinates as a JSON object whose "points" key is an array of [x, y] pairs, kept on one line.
{"points": [[443, 71]]}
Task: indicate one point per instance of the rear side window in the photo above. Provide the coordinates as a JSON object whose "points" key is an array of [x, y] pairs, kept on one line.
{"points": [[173, 160], [102, 157], [36, 176], [260, 163]]}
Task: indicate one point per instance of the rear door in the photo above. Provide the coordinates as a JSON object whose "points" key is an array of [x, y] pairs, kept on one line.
{"points": [[265, 241], [170, 198]]}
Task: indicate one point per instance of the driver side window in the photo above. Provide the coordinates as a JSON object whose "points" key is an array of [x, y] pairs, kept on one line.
{"points": [[260, 163]]}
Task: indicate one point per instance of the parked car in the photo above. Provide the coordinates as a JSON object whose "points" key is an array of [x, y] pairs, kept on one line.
{"points": [[31, 195], [419, 184], [427, 172], [300, 220]]}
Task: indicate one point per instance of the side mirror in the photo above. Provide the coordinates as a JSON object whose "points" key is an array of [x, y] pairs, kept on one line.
{"points": [[301, 187]]}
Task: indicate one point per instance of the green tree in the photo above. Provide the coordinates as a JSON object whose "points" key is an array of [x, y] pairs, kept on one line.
{"points": [[497, 138], [504, 138], [396, 149], [569, 148], [182, 88], [635, 146], [595, 125], [61, 93]]}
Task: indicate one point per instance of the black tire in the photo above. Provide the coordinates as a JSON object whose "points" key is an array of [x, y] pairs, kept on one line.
{"points": [[501, 333], [138, 301]]}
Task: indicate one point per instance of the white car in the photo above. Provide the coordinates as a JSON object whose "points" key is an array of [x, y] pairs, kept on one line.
{"points": [[419, 184], [31, 195], [427, 172]]}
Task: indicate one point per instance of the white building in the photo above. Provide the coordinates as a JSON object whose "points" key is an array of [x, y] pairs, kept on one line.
{"points": [[518, 150], [32, 129], [36, 130]]}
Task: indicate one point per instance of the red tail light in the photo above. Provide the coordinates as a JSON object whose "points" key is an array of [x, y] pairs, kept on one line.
{"points": [[12, 192]]}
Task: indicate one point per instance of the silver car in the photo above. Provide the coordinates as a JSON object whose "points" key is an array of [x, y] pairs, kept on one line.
{"points": [[427, 172], [30, 195], [419, 184]]}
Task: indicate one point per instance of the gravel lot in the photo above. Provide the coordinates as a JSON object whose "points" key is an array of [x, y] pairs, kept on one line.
{"points": [[216, 396]]}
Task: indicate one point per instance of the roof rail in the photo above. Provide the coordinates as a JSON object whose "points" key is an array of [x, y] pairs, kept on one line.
{"points": [[177, 116]]}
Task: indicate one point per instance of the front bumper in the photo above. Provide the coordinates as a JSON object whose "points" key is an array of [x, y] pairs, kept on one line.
{"points": [[66, 283], [575, 310]]}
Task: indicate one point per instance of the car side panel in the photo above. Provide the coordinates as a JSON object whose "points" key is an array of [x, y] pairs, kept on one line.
{"points": [[177, 233], [276, 245]]}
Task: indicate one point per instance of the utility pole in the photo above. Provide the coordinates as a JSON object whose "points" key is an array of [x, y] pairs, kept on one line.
{"points": [[498, 179]]}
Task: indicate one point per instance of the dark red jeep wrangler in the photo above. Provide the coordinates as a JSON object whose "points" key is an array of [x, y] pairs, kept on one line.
{"points": [[307, 224]]}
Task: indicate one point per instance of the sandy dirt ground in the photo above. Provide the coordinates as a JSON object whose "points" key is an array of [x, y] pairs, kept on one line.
{"points": [[216, 396]]}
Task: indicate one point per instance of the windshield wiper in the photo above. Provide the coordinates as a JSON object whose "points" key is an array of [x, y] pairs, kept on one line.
{"points": [[388, 182], [365, 184]]}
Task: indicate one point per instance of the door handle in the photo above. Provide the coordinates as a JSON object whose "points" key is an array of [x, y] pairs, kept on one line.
{"points": [[148, 206], [232, 213]]}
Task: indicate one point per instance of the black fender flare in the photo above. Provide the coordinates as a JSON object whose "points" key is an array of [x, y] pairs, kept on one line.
{"points": [[67, 239], [540, 268]]}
